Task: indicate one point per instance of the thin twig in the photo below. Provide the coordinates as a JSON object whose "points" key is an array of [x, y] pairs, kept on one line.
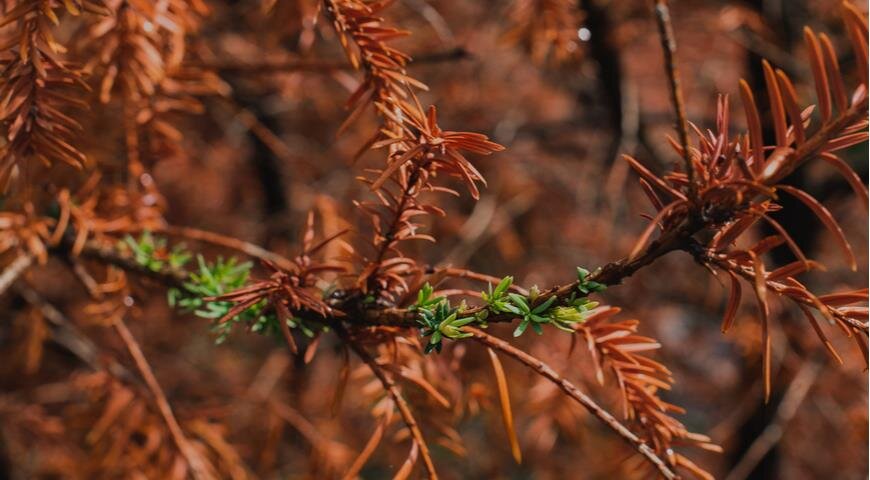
{"points": [[192, 457], [781, 289], [249, 249], [171, 277], [331, 450], [817, 142], [772, 434], [669, 47], [487, 220], [322, 66], [572, 391], [394, 392], [85, 278], [65, 333], [269, 138], [388, 237], [135, 169], [14, 270]]}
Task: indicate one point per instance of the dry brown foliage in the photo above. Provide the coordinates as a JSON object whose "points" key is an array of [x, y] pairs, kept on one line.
{"points": [[128, 124]]}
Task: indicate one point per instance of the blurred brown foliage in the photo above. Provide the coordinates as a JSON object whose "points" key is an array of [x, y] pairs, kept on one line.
{"points": [[718, 190]]}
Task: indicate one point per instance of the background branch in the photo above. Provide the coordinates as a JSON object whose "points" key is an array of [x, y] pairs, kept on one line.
{"points": [[788, 407], [14, 270]]}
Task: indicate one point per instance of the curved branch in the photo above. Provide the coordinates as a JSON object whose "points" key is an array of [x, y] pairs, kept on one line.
{"points": [[394, 392], [214, 238], [572, 391], [197, 465]]}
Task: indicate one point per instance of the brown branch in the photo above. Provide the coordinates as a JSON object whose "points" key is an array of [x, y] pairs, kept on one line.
{"points": [[394, 392], [816, 143], [572, 391], [781, 289], [249, 249], [135, 168], [329, 449], [611, 274], [265, 134], [389, 240], [14, 270], [168, 276], [197, 466], [321, 66], [486, 221], [788, 407], [260, 392], [65, 333], [669, 47]]}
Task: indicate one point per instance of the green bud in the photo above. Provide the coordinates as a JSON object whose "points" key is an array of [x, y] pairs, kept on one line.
{"points": [[566, 315]]}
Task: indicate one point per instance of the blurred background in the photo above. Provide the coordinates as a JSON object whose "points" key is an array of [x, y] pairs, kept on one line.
{"points": [[568, 88]]}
